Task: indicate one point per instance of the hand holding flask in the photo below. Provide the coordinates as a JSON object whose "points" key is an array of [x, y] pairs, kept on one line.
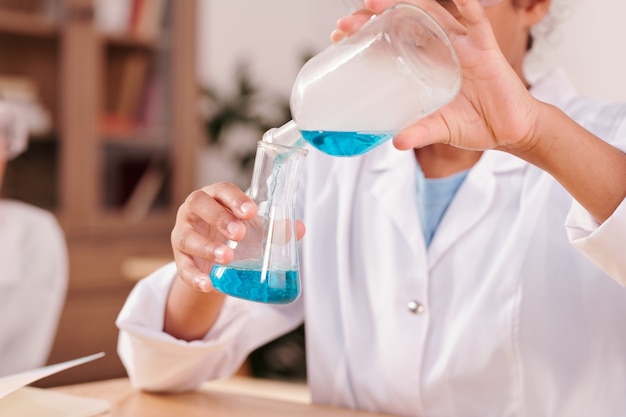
{"points": [[265, 267]]}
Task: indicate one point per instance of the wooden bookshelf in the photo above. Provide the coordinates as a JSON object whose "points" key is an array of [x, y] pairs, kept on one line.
{"points": [[119, 158], [27, 24]]}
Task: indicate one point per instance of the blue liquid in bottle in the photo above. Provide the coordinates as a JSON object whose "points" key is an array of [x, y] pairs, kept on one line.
{"points": [[345, 143], [245, 281]]}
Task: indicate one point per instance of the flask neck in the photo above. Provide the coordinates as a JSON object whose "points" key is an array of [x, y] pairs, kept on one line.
{"points": [[276, 173]]}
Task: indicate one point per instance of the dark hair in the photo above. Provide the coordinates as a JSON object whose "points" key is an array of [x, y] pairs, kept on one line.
{"points": [[516, 3]]}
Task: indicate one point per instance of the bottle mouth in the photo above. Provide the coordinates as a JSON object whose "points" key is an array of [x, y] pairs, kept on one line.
{"points": [[286, 136], [280, 149], [281, 153]]}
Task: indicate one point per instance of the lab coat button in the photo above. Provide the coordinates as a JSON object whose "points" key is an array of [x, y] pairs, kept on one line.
{"points": [[415, 307]]}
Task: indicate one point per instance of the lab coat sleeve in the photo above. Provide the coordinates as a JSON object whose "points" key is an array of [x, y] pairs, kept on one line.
{"points": [[156, 361], [49, 279], [33, 285], [602, 243]]}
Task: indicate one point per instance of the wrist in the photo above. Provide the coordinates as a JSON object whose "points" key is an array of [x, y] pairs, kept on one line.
{"points": [[536, 146], [190, 314]]}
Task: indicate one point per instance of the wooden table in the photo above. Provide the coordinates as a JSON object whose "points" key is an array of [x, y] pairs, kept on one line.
{"points": [[234, 398]]}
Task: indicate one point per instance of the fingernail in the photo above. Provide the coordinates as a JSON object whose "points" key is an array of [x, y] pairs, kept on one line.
{"points": [[201, 284], [247, 207], [233, 228], [218, 253]]}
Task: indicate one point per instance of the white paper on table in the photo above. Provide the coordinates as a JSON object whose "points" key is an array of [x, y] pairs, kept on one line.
{"points": [[16, 399], [11, 383], [38, 402]]}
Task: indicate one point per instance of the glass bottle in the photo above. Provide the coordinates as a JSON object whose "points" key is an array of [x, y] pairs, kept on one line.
{"points": [[358, 93], [265, 267]]}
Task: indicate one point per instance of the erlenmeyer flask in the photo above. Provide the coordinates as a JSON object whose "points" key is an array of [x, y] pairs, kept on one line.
{"points": [[358, 93], [265, 267]]}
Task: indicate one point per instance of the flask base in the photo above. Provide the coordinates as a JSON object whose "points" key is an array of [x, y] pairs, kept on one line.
{"points": [[273, 287]]}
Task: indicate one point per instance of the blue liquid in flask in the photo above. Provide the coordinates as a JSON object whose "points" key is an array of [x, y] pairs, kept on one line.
{"points": [[345, 143], [248, 282]]}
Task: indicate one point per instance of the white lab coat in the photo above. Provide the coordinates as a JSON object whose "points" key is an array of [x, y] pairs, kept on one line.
{"points": [[33, 284], [500, 316]]}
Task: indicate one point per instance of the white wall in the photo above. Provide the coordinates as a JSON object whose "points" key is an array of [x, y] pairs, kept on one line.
{"points": [[591, 44], [272, 34]]}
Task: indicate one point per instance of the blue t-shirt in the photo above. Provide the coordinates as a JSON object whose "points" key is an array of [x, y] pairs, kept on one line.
{"points": [[433, 198]]}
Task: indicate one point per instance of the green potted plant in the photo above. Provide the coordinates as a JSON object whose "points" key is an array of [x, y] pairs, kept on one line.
{"points": [[233, 123]]}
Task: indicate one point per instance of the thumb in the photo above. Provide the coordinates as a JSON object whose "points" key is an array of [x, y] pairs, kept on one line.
{"points": [[429, 130]]}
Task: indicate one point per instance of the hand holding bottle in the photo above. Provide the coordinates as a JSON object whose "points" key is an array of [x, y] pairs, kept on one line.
{"points": [[493, 109]]}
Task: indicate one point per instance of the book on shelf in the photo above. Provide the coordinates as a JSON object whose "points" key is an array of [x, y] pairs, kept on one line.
{"points": [[141, 18], [145, 192], [112, 16], [147, 18], [133, 79], [145, 116], [135, 96]]}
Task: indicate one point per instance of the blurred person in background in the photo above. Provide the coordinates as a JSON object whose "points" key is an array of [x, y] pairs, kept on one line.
{"points": [[479, 279], [33, 265]]}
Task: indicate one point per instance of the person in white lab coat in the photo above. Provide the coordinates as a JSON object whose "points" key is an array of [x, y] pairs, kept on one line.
{"points": [[446, 287], [33, 262]]}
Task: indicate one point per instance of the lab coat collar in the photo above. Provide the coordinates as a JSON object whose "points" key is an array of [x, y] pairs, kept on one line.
{"points": [[470, 205], [392, 177]]}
